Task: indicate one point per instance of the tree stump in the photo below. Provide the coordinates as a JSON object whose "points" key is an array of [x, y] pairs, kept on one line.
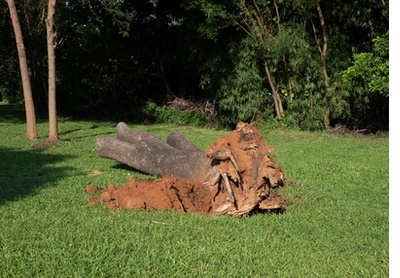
{"points": [[235, 176]]}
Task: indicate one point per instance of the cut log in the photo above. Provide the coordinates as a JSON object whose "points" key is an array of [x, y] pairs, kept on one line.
{"points": [[148, 153]]}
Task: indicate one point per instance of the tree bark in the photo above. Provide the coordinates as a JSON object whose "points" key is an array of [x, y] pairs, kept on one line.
{"points": [[53, 127], [324, 49], [146, 152], [323, 52], [275, 94], [31, 130]]}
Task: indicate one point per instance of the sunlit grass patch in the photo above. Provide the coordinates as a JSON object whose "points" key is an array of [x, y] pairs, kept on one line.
{"points": [[336, 224]]}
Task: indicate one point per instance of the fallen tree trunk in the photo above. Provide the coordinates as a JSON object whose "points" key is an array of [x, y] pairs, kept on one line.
{"points": [[235, 175], [146, 152]]}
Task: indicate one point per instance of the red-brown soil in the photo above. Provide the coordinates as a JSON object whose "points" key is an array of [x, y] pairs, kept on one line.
{"points": [[166, 193]]}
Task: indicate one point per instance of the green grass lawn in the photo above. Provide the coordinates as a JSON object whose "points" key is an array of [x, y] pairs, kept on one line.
{"points": [[340, 228]]}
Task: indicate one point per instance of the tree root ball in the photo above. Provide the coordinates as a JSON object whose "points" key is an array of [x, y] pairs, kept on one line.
{"points": [[236, 176]]}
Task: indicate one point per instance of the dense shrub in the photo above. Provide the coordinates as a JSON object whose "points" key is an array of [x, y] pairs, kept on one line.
{"points": [[164, 114]]}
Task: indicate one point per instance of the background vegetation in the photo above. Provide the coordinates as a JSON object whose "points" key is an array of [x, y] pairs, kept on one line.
{"points": [[115, 57], [338, 227]]}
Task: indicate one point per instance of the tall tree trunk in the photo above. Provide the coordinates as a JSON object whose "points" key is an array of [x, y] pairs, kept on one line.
{"points": [[275, 94], [255, 25], [324, 48], [31, 131], [323, 52], [284, 57], [53, 128]]}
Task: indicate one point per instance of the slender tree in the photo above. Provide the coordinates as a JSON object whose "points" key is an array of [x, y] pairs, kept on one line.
{"points": [[31, 130], [255, 24], [323, 50], [53, 128]]}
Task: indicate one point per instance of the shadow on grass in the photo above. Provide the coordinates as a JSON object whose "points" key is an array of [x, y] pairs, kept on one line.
{"points": [[135, 172], [75, 137], [15, 113], [24, 173], [76, 130]]}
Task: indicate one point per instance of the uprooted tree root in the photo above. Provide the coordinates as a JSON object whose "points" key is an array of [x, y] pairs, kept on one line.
{"points": [[168, 194], [238, 175]]}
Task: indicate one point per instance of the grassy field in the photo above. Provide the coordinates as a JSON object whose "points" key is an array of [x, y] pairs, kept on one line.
{"points": [[339, 229]]}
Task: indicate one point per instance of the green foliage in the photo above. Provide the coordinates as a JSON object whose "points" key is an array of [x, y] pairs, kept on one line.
{"points": [[113, 56], [169, 115], [122, 17], [301, 82], [367, 81], [10, 85], [269, 121], [214, 14], [370, 71], [241, 94], [309, 112], [288, 43]]}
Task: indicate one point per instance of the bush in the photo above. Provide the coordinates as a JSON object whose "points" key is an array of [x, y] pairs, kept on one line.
{"points": [[269, 120], [367, 81], [163, 114]]}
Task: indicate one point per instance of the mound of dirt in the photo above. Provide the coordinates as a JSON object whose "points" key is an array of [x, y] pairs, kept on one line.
{"points": [[165, 194]]}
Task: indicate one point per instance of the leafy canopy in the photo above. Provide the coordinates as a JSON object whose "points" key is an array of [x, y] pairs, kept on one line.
{"points": [[371, 69]]}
